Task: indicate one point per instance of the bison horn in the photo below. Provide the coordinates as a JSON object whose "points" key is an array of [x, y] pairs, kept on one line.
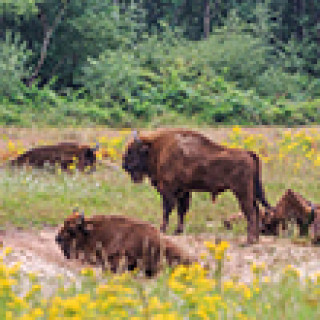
{"points": [[80, 218], [97, 147], [136, 136]]}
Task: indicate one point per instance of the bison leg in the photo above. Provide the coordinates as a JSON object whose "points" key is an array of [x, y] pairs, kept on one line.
{"points": [[183, 207], [168, 205], [213, 197], [303, 228], [251, 211]]}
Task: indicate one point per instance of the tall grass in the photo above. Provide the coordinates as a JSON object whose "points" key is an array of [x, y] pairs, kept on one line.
{"points": [[42, 196]]}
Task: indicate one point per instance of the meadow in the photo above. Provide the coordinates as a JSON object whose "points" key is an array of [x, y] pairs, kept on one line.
{"points": [[33, 198]]}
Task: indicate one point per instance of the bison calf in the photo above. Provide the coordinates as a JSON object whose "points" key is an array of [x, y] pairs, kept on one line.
{"points": [[63, 154], [291, 206], [181, 161], [119, 243]]}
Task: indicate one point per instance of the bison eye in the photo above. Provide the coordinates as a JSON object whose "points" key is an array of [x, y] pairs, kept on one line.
{"points": [[72, 233]]}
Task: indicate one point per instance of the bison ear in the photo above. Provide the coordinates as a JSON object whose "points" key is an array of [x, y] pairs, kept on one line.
{"points": [[290, 192]]}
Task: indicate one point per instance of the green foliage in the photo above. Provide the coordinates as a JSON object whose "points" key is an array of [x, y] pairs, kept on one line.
{"points": [[18, 7], [293, 113], [13, 58], [133, 62], [170, 75]]}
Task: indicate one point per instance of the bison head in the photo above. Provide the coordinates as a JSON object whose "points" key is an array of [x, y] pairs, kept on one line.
{"points": [[73, 232], [90, 157], [135, 159], [269, 223]]}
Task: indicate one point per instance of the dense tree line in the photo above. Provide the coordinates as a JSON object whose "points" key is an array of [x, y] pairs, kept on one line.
{"points": [[134, 54]]}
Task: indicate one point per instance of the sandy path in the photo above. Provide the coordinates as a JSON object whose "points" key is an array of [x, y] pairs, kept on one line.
{"points": [[38, 252]]}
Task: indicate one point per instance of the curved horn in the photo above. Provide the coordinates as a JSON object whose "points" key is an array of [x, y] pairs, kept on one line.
{"points": [[136, 136], [97, 147]]}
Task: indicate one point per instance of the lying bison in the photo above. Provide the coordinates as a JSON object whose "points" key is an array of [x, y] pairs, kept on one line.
{"points": [[181, 161], [118, 243], [63, 154], [291, 206]]}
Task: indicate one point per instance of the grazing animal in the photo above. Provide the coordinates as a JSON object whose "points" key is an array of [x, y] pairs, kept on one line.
{"points": [[118, 243], [180, 161], [267, 226], [63, 154], [291, 206]]}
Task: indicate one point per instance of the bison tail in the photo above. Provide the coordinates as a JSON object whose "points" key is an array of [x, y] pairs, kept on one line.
{"points": [[260, 194]]}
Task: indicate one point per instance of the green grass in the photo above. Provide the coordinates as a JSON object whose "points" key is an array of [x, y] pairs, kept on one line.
{"points": [[175, 294], [39, 197]]}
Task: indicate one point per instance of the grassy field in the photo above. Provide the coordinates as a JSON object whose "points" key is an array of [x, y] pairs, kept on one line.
{"points": [[291, 159]]}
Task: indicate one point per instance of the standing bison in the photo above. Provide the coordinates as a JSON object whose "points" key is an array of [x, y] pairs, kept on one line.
{"points": [[181, 161], [119, 243], [63, 154]]}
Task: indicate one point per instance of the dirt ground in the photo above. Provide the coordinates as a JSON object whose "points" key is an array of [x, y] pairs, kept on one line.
{"points": [[38, 253]]}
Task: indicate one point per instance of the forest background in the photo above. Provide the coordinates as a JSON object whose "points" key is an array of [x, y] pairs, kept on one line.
{"points": [[148, 62]]}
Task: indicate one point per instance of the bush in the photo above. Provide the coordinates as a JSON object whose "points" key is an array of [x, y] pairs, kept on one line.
{"points": [[13, 59], [290, 113], [147, 85]]}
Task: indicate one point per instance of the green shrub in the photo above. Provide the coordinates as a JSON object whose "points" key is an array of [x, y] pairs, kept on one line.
{"points": [[13, 58]]}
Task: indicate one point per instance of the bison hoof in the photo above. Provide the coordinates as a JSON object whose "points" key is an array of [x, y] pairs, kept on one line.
{"points": [[163, 228], [251, 242], [178, 231]]}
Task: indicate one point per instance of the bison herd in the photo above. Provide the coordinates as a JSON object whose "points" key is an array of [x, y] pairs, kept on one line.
{"points": [[177, 163]]}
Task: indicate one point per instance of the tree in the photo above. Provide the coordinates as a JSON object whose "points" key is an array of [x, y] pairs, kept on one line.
{"points": [[206, 19], [48, 31]]}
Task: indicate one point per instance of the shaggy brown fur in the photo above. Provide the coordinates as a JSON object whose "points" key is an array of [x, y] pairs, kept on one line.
{"points": [[63, 154], [291, 206], [119, 243], [181, 161]]}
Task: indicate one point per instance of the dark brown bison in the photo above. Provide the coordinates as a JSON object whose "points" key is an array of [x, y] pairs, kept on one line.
{"points": [[291, 206], [63, 154], [119, 243], [181, 161]]}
